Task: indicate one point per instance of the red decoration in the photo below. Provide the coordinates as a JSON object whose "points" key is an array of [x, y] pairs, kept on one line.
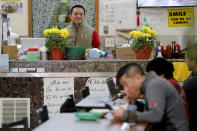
{"points": [[138, 17], [138, 20]]}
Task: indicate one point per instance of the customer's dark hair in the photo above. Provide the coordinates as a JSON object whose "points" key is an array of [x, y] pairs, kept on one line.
{"points": [[130, 70], [161, 66], [77, 6]]}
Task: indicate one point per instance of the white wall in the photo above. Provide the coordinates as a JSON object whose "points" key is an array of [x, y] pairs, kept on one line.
{"points": [[157, 18]]}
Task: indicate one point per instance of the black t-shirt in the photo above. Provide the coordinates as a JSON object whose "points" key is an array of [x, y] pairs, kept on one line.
{"points": [[190, 88]]}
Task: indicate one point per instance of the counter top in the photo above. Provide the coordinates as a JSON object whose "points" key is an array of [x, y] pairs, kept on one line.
{"points": [[60, 75]]}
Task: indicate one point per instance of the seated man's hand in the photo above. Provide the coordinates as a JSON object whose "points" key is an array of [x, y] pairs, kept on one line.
{"points": [[118, 114]]}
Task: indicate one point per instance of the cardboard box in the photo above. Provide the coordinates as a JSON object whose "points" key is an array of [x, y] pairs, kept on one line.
{"points": [[125, 53], [11, 50]]}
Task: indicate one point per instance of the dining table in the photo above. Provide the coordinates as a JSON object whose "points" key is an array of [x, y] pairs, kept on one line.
{"points": [[69, 122]]}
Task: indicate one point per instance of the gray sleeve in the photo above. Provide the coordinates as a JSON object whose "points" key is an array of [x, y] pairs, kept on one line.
{"points": [[156, 101]]}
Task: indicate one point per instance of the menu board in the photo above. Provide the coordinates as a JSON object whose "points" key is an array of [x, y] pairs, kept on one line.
{"points": [[56, 91], [98, 85]]}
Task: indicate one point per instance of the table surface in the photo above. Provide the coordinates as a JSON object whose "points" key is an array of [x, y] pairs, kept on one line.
{"points": [[68, 121], [95, 101]]}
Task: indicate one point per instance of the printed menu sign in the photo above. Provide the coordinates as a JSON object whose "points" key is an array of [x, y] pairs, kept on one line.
{"points": [[98, 85], [56, 91]]}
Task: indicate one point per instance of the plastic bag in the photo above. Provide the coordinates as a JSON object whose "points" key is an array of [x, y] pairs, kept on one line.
{"points": [[181, 71]]}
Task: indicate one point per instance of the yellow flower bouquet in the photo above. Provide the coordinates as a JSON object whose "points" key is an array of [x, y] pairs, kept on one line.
{"points": [[143, 41], [56, 42], [140, 38], [56, 37]]}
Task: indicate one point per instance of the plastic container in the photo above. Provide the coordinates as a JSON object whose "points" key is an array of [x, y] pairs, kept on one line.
{"points": [[43, 54], [90, 116], [109, 57], [159, 51], [33, 54], [63, 8], [75, 53]]}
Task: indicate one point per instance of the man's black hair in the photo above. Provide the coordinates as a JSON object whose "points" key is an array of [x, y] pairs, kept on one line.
{"points": [[77, 6], [126, 70], [161, 66]]}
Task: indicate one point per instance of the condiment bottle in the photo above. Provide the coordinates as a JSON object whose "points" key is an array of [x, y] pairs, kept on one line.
{"points": [[168, 51]]}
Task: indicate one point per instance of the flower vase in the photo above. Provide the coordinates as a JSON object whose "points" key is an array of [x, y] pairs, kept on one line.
{"points": [[56, 53], [143, 53]]}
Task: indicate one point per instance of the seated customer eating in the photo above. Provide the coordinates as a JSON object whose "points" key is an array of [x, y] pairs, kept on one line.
{"points": [[164, 107]]}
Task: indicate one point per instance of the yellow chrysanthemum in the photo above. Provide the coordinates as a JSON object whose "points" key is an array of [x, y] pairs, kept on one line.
{"points": [[147, 35], [141, 34], [131, 33], [55, 30], [64, 33], [45, 32], [153, 32], [138, 34], [145, 28], [135, 34]]}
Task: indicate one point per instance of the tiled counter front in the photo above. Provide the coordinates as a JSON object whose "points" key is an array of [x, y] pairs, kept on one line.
{"points": [[31, 87], [17, 87], [21, 85], [74, 66]]}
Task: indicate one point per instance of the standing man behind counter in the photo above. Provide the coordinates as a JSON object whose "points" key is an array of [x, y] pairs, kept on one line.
{"points": [[81, 34]]}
